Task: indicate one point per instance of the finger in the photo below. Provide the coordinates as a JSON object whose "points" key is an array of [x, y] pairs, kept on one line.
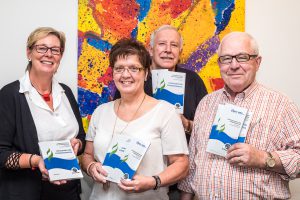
{"points": [[98, 177], [101, 171], [106, 185], [75, 148], [59, 182], [45, 177], [232, 155], [42, 166], [128, 189], [235, 160], [237, 146]]}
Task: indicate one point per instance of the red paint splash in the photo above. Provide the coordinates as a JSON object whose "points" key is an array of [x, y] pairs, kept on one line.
{"points": [[216, 83], [176, 7], [116, 16], [106, 78]]}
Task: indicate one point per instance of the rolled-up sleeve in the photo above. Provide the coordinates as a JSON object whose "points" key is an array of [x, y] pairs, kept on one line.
{"points": [[289, 150]]}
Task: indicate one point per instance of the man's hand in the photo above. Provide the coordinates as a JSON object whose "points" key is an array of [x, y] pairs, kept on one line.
{"points": [[246, 155], [187, 124]]}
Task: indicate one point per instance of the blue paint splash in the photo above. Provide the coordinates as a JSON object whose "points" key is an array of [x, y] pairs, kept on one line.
{"points": [[89, 101], [100, 44], [223, 10], [144, 8]]}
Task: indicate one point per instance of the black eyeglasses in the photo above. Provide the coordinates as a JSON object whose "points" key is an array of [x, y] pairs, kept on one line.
{"points": [[43, 49], [130, 69], [241, 58]]}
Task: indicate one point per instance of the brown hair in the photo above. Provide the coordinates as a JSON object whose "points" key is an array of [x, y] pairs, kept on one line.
{"points": [[40, 33], [126, 47]]}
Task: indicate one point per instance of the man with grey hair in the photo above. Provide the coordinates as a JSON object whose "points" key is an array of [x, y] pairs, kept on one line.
{"points": [[261, 167], [165, 49]]}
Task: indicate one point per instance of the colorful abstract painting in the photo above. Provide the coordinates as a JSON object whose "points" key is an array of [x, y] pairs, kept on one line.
{"points": [[101, 23]]}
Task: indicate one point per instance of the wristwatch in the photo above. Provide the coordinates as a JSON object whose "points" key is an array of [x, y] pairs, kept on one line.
{"points": [[270, 162]]}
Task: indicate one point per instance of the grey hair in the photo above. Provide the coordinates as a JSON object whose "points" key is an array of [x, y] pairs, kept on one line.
{"points": [[164, 27], [253, 42]]}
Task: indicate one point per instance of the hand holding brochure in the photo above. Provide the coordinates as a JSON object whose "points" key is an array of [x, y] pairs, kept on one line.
{"points": [[60, 160], [169, 86], [230, 126], [123, 157]]}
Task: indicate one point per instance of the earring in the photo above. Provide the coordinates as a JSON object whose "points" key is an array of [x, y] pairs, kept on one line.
{"points": [[29, 60]]}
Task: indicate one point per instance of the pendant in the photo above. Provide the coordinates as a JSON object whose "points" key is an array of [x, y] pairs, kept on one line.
{"points": [[46, 97]]}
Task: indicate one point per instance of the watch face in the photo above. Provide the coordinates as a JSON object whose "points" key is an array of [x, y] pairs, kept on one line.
{"points": [[271, 162]]}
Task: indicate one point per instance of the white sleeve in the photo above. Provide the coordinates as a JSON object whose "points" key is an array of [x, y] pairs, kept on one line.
{"points": [[91, 133], [173, 135]]}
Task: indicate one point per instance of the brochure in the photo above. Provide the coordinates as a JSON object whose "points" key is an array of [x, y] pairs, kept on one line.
{"points": [[226, 128], [169, 86], [60, 160], [123, 157], [245, 128]]}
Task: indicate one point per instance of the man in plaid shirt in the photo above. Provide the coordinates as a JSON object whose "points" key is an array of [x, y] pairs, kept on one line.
{"points": [[261, 167]]}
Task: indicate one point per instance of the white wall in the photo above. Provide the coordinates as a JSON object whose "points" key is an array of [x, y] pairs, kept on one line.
{"points": [[276, 26], [19, 18], [274, 23]]}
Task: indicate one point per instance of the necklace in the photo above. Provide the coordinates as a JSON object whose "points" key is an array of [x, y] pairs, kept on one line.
{"points": [[130, 119], [45, 96]]}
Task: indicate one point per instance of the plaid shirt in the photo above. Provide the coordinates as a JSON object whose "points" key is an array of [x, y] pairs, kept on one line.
{"points": [[275, 126]]}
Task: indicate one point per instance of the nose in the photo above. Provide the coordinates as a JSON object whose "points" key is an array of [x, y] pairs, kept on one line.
{"points": [[48, 53], [126, 72], [168, 48], [234, 63]]}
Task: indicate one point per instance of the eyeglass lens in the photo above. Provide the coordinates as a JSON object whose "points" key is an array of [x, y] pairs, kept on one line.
{"points": [[130, 69], [241, 58], [44, 49]]}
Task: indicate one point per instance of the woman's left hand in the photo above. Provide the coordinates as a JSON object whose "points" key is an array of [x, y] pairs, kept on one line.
{"points": [[76, 144], [139, 183], [45, 174]]}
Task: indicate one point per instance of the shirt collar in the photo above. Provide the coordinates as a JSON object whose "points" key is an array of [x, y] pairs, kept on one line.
{"points": [[245, 93], [26, 87], [25, 84]]}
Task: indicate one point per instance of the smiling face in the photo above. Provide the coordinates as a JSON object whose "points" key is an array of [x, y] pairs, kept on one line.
{"points": [[238, 76], [127, 82], [45, 63], [166, 49]]}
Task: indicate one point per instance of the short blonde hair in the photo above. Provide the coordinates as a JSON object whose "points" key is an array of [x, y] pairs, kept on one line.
{"points": [[42, 32]]}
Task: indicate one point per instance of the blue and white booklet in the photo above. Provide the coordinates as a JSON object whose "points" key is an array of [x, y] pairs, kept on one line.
{"points": [[60, 160], [169, 86], [123, 157], [245, 128], [230, 126]]}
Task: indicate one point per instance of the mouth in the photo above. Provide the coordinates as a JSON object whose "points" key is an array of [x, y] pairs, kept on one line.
{"points": [[47, 62], [235, 75], [125, 83], [167, 58]]}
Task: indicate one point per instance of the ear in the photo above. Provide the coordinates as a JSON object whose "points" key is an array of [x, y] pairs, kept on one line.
{"points": [[28, 53], [150, 50], [258, 61]]}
